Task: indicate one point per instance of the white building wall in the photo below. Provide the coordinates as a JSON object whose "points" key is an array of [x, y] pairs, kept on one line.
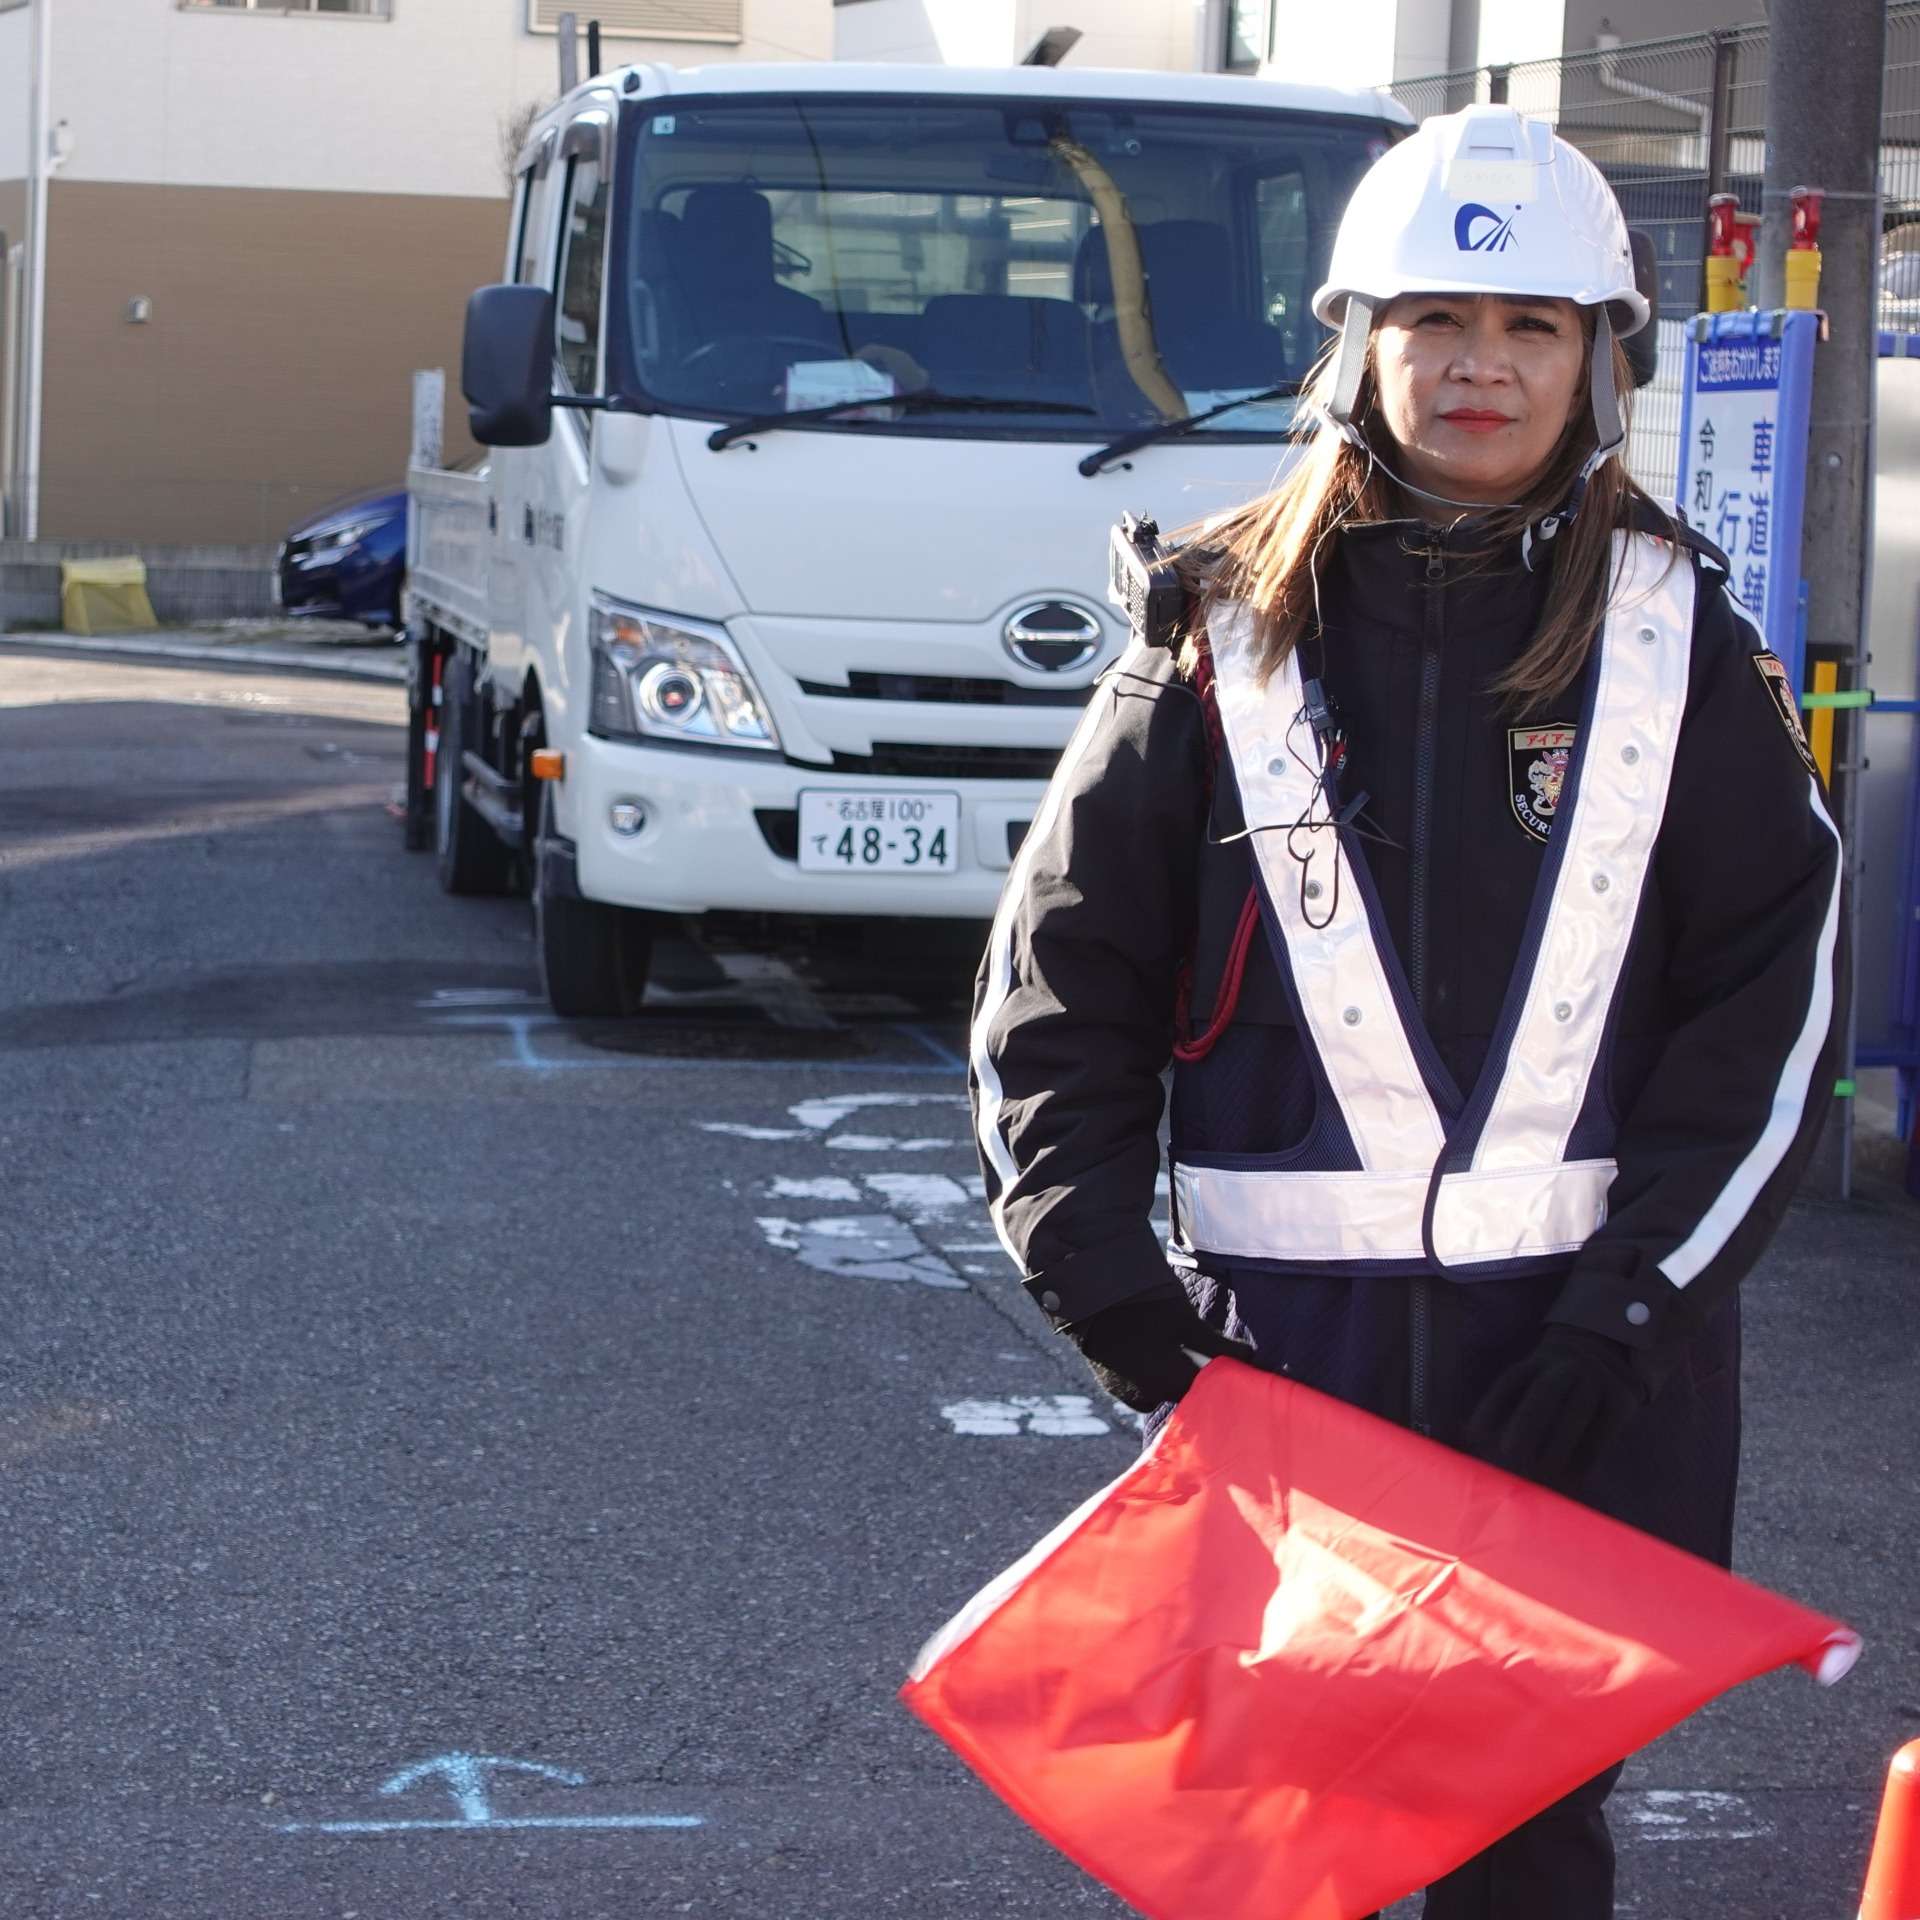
{"points": [[1160, 35], [1422, 32], [159, 95], [14, 82], [1516, 30], [952, 33], [1348, 45], [1155, 34]]}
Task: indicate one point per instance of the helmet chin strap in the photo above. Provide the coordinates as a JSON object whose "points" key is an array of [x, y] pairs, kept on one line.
{"points": [[1609, 425]]}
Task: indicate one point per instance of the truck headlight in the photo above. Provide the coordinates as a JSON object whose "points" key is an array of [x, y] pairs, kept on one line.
{"points": [[656, 679]]}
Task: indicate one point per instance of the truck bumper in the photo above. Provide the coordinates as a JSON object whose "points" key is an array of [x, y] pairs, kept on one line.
{"points": [[721, 834]]}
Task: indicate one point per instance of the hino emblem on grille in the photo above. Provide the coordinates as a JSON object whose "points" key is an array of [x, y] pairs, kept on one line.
{"points": [[1054, 636]]}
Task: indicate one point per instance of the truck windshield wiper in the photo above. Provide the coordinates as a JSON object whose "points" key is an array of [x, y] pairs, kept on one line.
{"points": [[923, 401], [1166, 429]]}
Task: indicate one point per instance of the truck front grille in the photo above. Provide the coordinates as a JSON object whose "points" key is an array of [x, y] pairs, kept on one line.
{"points": [[912, 761], [943, 689]]}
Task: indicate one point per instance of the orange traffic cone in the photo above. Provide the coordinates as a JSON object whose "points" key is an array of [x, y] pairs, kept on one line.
{"points": [[1893, 1876]]}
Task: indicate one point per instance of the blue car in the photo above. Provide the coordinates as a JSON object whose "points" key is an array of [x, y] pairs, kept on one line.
{"points": [[346, 562]]}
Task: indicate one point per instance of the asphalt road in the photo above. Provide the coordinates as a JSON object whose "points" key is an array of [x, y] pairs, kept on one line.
{"points": [[390, 1374]]}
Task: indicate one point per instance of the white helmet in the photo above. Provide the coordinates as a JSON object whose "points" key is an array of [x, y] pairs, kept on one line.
{"points": [[1483, 201]]}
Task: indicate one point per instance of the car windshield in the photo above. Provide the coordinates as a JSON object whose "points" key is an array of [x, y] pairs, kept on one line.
{"points": [[1103, 266]]}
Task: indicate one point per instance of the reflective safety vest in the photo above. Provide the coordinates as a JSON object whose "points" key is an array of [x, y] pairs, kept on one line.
{"points": [[1398, 1172]]}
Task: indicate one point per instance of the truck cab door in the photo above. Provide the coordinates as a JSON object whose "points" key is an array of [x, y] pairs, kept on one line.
{"points": [[560, 567], [536, 204]]}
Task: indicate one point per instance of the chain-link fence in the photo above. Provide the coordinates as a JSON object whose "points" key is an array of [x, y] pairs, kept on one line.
{"points": [[1670, 122]]}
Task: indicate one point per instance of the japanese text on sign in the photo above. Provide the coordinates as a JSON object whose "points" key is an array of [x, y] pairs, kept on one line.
{"points": [[1730, 465]]}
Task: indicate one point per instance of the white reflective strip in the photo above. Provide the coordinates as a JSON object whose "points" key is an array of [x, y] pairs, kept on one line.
{"points": [[1353, 1023], [1518, 1212], [1789, 1107], [1277, 1214], [1626, 764], [999, 968], [1254, 1214]]}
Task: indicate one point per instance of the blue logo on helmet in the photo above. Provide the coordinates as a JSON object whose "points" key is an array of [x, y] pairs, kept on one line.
{"points": [[1494, 238]]}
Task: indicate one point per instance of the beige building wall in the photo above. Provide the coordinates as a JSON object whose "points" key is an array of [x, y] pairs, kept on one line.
{"points": [[305, 202], [13, 226], [274, 371]]}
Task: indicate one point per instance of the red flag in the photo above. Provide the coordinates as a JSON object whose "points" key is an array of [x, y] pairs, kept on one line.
{"points": [[1297, 1662]]}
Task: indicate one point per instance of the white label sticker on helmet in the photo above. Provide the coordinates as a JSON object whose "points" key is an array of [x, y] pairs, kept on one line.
{"points": [[1475, 178]]}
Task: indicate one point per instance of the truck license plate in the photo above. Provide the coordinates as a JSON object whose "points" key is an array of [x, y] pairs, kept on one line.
{"points": [[843, 832]]}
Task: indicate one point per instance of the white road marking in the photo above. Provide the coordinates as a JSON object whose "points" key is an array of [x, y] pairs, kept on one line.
{"points": [[465, 1778], [740, 1132], [1054, 1415], [830, 1186], [1668, 1814], [885, 1143], [861, 1246], [822, 1115], [921, 1196], [442, 997]]}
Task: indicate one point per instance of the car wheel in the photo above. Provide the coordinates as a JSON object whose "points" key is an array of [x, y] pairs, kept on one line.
{"points": [[593, 957], [471, 858]]}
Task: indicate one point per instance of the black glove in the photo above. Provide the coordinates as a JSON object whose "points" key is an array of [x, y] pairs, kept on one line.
{"points": [[1140, 1349], [1550, 1416]]}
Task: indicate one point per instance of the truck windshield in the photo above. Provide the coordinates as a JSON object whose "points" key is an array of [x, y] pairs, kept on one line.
{"points": [[1119, 264]]}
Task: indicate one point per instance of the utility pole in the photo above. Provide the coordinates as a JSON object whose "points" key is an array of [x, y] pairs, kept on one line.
{"points": [[39, 155], [1825, 62]]}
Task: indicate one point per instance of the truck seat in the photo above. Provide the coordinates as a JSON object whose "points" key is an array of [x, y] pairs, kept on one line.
{"points": [[1207, 336], [723, 241], [1006, 345]]}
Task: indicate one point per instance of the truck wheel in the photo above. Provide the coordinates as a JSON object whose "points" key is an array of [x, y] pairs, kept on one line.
{"points": [[472, 860], [593, 957], [422, 722]]}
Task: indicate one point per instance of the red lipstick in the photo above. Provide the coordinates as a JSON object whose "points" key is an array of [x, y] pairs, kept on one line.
{"points": [[1477, 420]]}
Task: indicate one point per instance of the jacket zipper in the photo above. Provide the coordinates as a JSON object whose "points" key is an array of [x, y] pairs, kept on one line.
{"points": [[1420, 1295]]}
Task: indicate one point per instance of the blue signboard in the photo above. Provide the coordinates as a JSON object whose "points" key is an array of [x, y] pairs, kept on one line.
{"points": [[1743, 458]]}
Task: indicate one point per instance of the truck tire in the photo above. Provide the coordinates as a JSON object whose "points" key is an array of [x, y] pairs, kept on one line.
{"points": [[422, 722], [593, 957], [471, 858]]}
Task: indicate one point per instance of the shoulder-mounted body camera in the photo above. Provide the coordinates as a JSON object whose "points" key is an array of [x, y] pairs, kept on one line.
{"points": [[1145, 582]]}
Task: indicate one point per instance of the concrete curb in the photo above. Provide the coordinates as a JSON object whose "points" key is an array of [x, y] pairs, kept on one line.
{"points": [[236, 654]]}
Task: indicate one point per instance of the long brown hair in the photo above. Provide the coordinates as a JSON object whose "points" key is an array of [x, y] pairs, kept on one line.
{"points": [[1266, 553]]}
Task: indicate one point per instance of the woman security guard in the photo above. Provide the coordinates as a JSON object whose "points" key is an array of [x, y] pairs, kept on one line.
{"points": [[1470, 865]]}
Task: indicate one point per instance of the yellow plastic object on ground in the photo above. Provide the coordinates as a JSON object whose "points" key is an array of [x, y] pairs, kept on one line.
{"points": [[105, 596]]}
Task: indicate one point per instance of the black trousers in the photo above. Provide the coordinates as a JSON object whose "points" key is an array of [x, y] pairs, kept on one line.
{"points": [[1557, 1866]]}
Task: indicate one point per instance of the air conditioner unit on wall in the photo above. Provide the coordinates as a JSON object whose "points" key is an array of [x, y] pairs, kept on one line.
{"points": [[716, 20]]}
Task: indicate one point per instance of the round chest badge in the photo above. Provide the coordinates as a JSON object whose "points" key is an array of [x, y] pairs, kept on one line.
{"points": [[1537, 774]]}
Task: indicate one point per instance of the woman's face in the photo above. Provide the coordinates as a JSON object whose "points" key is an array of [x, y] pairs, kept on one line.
{"points": [[1476, 389]]}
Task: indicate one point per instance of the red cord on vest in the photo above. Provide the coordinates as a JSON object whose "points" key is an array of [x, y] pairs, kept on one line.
{"points": [[1228, 999]]}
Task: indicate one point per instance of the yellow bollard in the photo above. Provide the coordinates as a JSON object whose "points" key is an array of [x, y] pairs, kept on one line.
{"points": [[1826, 677], [1724, 292]]}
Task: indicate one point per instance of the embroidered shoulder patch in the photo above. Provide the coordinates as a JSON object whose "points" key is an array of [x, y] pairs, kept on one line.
{"points": [[1537, 773], [1780, 689]]}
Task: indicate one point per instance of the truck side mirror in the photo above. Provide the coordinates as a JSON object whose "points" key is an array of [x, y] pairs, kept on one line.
{"points": [[506, 366], [1643, 348]]}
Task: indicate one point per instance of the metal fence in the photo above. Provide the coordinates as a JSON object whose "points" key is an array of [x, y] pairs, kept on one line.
{"points": [[1670, 122]]}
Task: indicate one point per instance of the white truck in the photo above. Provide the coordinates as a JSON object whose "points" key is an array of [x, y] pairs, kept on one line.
{"points": [[812, 393]]}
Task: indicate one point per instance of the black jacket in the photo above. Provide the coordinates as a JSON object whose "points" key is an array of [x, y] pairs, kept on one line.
{"points": [[1125, 880]]}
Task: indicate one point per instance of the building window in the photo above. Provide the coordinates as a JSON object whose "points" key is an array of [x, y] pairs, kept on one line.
{"points": [[362, 9], [644, 19], [1249, 34]]}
